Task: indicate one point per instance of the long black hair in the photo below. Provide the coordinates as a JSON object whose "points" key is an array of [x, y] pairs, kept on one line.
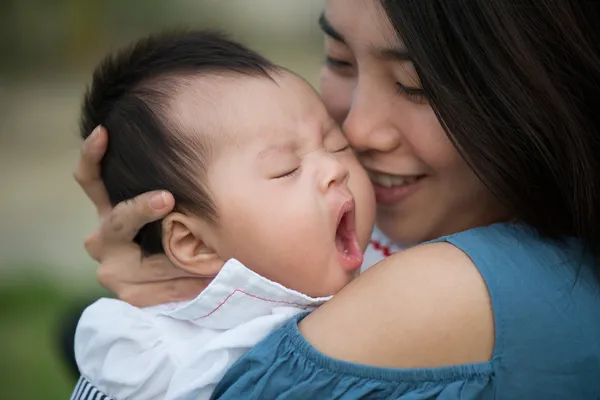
{"points": [[516, 86]]}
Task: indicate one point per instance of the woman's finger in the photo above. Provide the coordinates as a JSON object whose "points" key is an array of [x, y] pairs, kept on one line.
{"points": [[126, 219], [140, 270], [158, 268], [154, 293], [93, 245], [87, 172]]}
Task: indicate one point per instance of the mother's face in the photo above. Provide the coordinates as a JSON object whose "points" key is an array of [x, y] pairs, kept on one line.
{"points": [[424, 188]]}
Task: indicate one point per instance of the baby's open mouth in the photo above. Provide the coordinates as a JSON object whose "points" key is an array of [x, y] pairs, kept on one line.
{"points": [[346, 242]]}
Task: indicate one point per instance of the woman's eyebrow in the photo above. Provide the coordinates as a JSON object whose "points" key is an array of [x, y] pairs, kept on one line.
{"points": [[400, 54], [329, 30]]}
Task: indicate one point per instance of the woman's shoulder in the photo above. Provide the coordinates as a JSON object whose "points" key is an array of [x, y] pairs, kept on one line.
{"points": [[428, 306], [492, 294]]}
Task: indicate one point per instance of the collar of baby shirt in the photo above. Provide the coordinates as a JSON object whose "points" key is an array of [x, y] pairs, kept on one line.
{"points": [[380, 242], [380, 247], [238, 295]]}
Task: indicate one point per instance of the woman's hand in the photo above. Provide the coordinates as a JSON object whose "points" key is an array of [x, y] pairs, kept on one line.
{"points": [[140, 281]]}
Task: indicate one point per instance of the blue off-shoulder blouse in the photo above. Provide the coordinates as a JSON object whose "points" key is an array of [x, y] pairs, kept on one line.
{"points": [[546, 303], [286, 366]]}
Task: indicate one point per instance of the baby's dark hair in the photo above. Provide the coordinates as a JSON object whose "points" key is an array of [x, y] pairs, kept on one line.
{"points": [[129, 95]]}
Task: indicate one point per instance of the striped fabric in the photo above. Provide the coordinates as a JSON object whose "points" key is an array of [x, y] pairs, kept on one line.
{"points": [[86, 391]]}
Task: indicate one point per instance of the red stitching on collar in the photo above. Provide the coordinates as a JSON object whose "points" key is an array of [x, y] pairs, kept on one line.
{"points": [[255, 297], [383, 249]]}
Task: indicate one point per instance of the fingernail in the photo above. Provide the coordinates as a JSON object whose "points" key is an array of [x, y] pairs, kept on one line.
{"points": [[94, 135], [158, 201]]}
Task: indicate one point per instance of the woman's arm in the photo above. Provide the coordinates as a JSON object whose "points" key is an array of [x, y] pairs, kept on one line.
{"points": [[424, 307]]}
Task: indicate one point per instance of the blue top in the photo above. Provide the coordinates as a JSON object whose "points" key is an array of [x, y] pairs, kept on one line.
{"points": [[546, 303]]}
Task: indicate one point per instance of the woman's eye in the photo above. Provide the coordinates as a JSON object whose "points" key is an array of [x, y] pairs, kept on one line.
{"points": [[288, 174], [337, 63], [414, 95]]}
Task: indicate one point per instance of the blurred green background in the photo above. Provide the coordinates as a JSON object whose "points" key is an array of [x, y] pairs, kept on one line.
{"points": [[47, 52]]}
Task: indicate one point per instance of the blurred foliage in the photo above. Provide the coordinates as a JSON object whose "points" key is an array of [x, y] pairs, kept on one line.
{"points": [[41, 34], [31, 367]]}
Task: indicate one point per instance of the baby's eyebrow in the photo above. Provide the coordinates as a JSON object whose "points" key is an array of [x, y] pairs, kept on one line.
{"points": [[275, 149]]}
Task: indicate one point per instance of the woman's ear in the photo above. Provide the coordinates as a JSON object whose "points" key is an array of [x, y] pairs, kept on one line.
{"points": [[184, 243]]}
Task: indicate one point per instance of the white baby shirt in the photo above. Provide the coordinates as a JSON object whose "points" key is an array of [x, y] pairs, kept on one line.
{"points": [[379, 248], [182, 350]]}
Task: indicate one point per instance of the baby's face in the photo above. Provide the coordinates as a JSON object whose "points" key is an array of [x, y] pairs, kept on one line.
{"points": [[293, 203]]}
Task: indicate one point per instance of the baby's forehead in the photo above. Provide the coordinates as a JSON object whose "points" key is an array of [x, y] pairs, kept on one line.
{"points": [[234, 108]]}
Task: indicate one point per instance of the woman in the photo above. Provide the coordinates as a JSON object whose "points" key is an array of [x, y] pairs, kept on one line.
{"points": [[478, 123]]}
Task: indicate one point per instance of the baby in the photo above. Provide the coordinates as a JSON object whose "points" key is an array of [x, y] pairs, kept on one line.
{"points": [[271, 204]]}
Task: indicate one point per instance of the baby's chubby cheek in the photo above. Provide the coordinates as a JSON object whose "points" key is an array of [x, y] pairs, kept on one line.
{"points": [[364, 197]]}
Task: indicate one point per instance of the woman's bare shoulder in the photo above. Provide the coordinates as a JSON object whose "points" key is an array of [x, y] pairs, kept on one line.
{"points": [[424, 307]]}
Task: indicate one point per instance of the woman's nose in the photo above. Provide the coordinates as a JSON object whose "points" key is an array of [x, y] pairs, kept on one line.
{"points": [[369, 124]]}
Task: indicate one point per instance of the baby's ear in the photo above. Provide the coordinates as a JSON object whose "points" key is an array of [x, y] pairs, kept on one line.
{"points": [[183, 242]]}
